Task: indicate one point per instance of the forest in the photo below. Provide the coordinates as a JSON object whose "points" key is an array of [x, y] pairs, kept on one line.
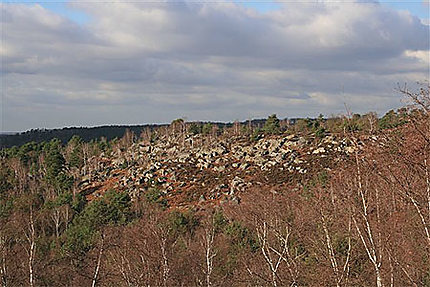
{"points": [[65, 134], [89, 213], [87, 134]]}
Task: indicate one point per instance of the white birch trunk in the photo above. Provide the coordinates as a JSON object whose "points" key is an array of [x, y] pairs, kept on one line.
{"points": [[3, 269], [98, 265], [32, 249]]}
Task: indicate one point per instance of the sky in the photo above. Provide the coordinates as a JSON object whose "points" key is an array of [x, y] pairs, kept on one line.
{"points": [[89, 63]]}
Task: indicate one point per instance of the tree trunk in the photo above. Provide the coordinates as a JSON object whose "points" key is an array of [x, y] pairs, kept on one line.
{"points": [[209, 240], [166, 269], [3, 270], [32, 250], [99, 261], [56, 217]]}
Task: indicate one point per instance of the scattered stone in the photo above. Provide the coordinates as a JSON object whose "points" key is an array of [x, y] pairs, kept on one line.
{"points": [[172, 164]]}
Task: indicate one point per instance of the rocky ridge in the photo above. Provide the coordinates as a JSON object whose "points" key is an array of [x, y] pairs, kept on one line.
{"points": [[197, 170]]}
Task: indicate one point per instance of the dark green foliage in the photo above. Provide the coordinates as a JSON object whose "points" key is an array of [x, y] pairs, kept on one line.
{"points": [[320, 132], [195, 128], [341, 245], [241, 237], [219, 221], [256, 134], [207, 128], [102, 144], [80, 236], [63, 198], [76, 155], [183, 222], [63, 182], [314, 126], [272, 125], [65, 134], [154, 137], [6, 206], [118, 206], [320, 179], [352, 124], [426, 279], [393, 119], [155, 196], [7, 182], [28, 152], [54, 161], [78, 203], [112, 208], [388, 120], [241, 241], [75, 141], [56, 174]]}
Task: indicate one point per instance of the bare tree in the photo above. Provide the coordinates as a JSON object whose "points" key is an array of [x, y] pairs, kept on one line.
{"points": [[165, 259], [31, 237], [273, 255], [95, 278], [3, 256], [208, 244], [369, 235], [341, 272], [277, 241]]}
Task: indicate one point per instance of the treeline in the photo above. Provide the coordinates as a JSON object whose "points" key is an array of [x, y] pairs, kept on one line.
{"points": [[65, 134], [88, 134], [271, 125]]}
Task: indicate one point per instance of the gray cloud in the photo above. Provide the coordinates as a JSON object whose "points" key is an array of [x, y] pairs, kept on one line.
{"points": [[147, 62]]}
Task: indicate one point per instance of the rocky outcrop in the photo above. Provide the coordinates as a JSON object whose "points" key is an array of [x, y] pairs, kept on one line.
{"points": [[197, 170]]}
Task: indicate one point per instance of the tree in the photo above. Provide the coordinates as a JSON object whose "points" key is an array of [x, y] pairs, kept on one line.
{"points": [[177, 126], [195, 128], [272, 125], [207, 129], [112, 208], [74, 152]]}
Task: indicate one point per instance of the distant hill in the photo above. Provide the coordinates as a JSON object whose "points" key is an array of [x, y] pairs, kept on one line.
{"points": [[64, 134], [9, 139]]}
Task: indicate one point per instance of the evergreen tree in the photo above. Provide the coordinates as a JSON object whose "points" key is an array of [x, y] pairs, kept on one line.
{"points": [[272, 125]]}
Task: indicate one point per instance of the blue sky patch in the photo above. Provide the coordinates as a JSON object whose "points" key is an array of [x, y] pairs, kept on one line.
{"points": [[417, 8]]}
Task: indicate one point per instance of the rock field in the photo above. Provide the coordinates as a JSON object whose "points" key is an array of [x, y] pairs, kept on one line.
{"points": [[196, 169]]}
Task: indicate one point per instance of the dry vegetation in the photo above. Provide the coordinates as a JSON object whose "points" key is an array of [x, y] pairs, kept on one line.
{"points": [[352, 215]]}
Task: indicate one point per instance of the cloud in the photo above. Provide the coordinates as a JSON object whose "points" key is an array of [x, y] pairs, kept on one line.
{"points": [[137, 62]]}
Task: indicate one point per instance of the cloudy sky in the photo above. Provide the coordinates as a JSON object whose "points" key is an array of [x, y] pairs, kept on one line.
{"points": [[88, 63]]}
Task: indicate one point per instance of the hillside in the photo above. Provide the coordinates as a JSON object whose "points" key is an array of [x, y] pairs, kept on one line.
{"points": [[194, 205], [197, 170]]}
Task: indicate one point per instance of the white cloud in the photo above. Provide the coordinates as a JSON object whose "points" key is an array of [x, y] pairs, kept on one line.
{"points": [[213, 61], [422, 55]]}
